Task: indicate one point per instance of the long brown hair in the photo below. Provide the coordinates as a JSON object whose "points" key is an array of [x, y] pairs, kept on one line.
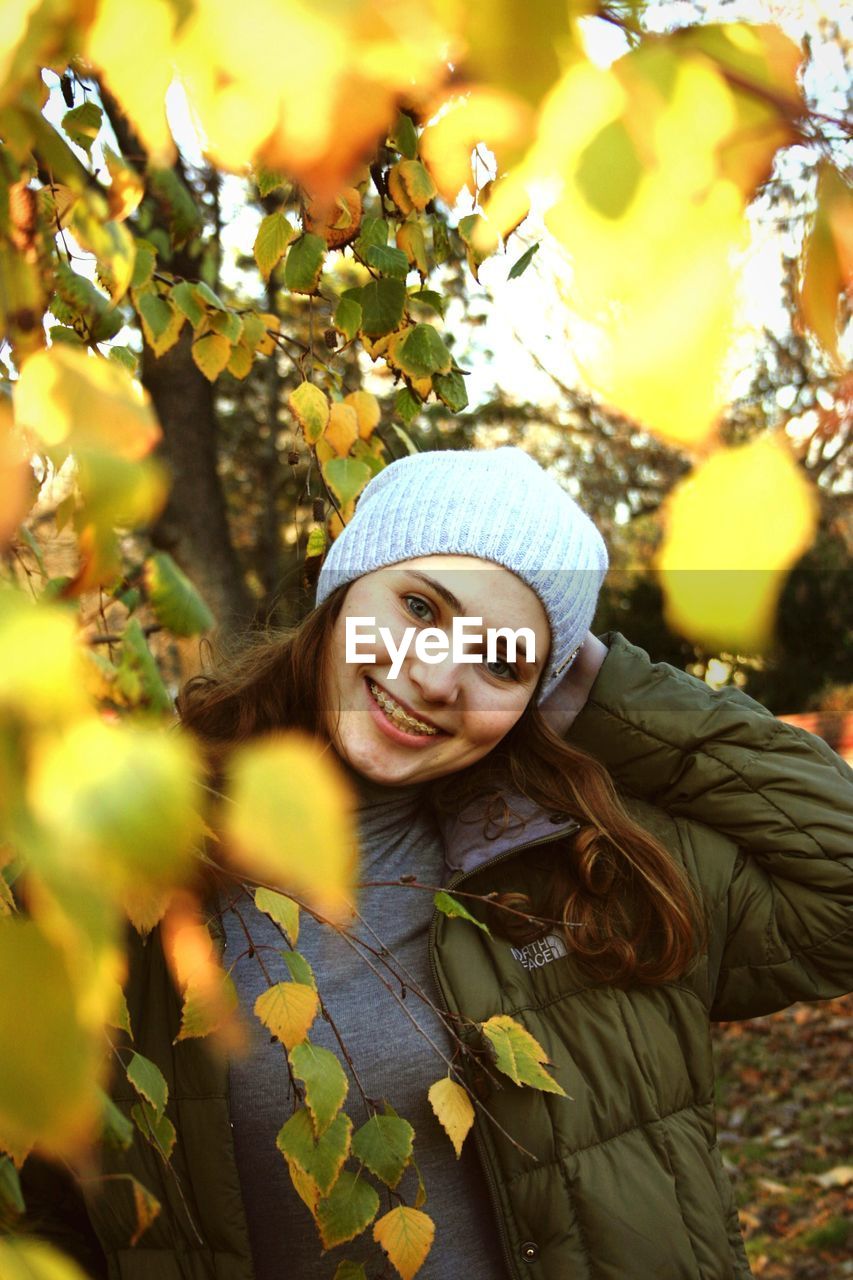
{"points": [[629, 911]]}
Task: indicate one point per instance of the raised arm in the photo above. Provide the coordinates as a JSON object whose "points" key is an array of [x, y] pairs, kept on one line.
{"points": [[781, 795]]}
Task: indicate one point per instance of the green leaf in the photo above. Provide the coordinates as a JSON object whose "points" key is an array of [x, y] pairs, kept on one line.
{"points": [[174, 599], [11, 1199], [156, 1129], [137, 670], [61, 333], [420, 352], [410, 238], [299, 968], [391, 262], [177, 203], [451, 390], [407, 406], [144, 264], [521, 264], [316, 544], [304, 264], [274, 235], [148, 1081], [284, 911], [125, 357], [229, 324], [205, 294], [156, 313], [384, 1145], [352, 1206], [609, 171], [518, 1054], [404, 137], [418, 182], [345, 477], [451, 907], [324, 1080], [348, 318], [268, 180], [116, 1129], [82, 124], [440, 241], [112, 244], [347, 1270], [382, 303], [373, 231], [311, 410], [185, 298], [320, 1158], [161, 322]]}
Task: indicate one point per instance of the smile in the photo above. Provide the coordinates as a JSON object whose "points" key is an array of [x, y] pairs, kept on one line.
{"points": [[397, 714]]}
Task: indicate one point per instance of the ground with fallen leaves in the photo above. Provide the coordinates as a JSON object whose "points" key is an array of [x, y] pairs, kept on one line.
{"points": [[785, 1122]]}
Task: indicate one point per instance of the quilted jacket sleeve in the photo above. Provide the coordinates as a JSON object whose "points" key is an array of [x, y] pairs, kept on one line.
{"points": [[781, 796]]}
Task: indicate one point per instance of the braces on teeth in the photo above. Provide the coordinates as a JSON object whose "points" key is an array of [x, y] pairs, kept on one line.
{"points": [[396, 713]]}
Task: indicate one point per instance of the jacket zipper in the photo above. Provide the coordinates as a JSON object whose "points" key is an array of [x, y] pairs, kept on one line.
{"points": [[569, 829]]}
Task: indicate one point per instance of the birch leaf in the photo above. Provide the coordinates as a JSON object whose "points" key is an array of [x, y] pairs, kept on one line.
{"points": [[406, 1235], [518, 1054], [454, 1110]]}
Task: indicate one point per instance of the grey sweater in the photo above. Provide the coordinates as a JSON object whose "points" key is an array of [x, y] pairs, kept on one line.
{"points": [[393, 1061]]}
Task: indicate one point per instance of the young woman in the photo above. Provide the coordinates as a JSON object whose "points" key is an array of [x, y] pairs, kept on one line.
{"points": [[649, 856]]}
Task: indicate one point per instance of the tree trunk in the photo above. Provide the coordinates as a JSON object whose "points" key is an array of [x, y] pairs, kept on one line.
{"points": [[193, 526]]}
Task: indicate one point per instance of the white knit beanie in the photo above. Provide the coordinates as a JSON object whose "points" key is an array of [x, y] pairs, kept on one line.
{"points": [[496, 504]]}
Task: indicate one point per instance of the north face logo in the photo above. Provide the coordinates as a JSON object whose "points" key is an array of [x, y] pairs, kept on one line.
{"points": [[537, 954]]}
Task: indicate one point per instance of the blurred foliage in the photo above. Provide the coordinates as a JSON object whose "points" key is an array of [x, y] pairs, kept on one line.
{"points": [[334, 348]]}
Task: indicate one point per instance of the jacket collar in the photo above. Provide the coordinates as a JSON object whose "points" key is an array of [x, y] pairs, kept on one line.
{"points": [[468, 842]]}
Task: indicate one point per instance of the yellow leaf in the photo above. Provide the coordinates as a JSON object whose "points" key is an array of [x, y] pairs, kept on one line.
{"points": [[15, 476], [733, 529], [342, 430], [266, 345], [240, 361], [211, 353], [25, 1259], [41, 670], [67, 397], [653, 225], [311, 410], [367, 410], [461, 122], [126, 187], [453, 1110], [145, 907], [284, 784], [48, 1086], [397, 191], [828, 260], [147, 1208], [283, 910], [116, 800], [288, 1010], [406, 1235], [519, 1054], [138, 71]]}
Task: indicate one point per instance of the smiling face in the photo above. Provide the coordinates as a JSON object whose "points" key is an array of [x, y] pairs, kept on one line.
{"points": [[431, 718]]}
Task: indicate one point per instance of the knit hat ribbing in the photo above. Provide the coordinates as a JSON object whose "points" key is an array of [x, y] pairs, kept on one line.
{"points": [[496, 504]]}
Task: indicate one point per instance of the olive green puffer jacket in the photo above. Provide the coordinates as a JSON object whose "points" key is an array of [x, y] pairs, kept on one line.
{"points": [[622, 1180]]}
